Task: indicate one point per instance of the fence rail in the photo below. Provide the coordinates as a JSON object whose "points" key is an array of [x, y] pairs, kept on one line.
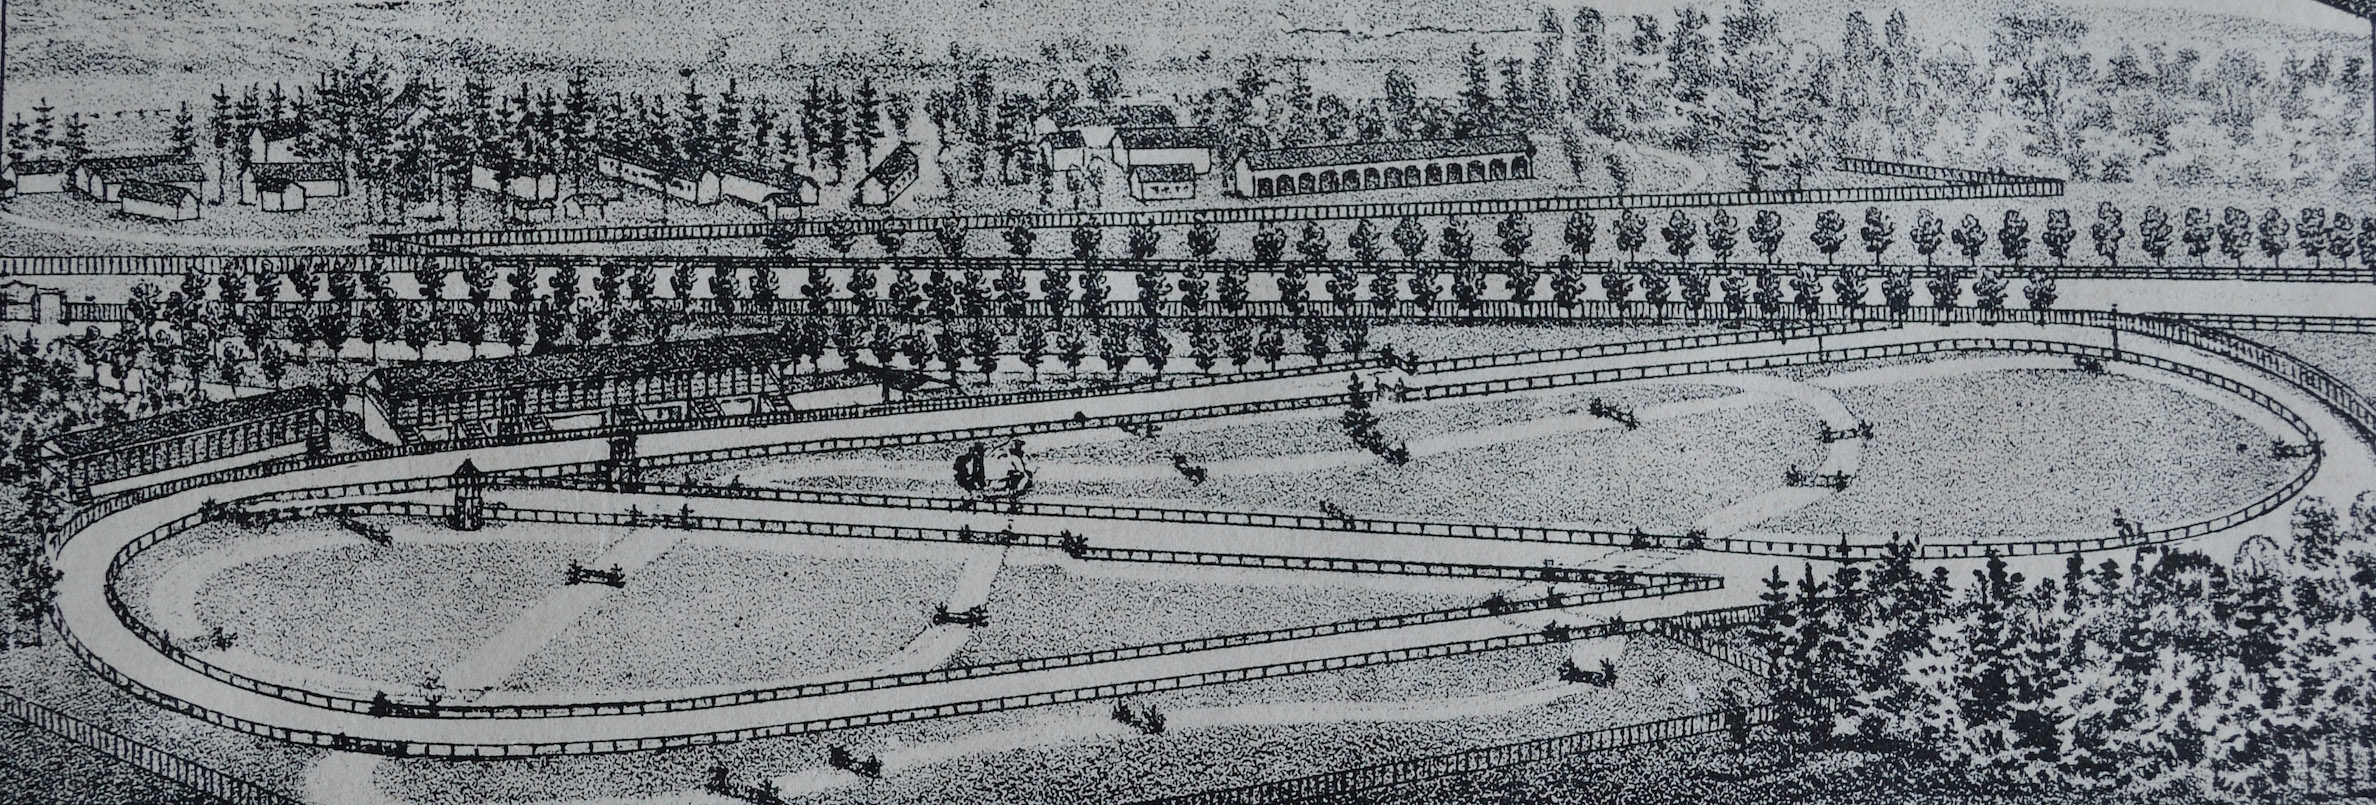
{"points": [[1451, 764], [189, 773], [1993, 186], [1620, 587]]}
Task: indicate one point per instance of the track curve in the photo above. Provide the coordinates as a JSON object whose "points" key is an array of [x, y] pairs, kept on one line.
{"points": [[94, 546]]}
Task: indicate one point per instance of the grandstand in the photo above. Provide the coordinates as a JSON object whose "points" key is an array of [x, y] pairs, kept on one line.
{"points": [[604, 387], [102, 460]]}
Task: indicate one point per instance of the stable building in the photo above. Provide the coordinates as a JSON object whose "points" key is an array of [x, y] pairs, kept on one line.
{"points": [[279, 195], [162, 202], [603, 387], [1064, 151], [766, 189], [1097, 123], [676, 178], [90, 175], [517, 178], [189, 176], [1371, 166], [317, 179], [888, 178], [1192, 146], [1162, 182], [215, 436], [276, 140], [792, 203], [35, 176]]}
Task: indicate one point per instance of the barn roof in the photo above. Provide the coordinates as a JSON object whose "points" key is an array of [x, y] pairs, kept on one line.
{"points": [[1164, 173], [1168, 137], [1068, 138], [1394, 151], [668, 165], [153, 192], [1134, 115], [186, 421], [900, 162], [419, 380], [299, 171], [38, 167], [173, 173], [105, 164], [277, 130]]}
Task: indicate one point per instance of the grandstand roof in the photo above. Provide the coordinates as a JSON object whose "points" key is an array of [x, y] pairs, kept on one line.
{"points": [[427, 379], [299, 171], [186, 421]]}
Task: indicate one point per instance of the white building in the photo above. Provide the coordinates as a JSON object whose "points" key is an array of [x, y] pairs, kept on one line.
{"points": [[1162, 182], [1097, 123], [317, 179], [162, 202], [1166, 145], [275, 140], [519, 179], [32, 176], [684, 181], [888, 178]]}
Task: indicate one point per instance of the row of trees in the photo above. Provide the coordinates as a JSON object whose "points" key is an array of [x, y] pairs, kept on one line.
{"points": [[2175, 674]]}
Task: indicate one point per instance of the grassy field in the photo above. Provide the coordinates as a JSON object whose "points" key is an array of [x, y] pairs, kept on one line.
{"points": [[1077, 754], [2035, 452], [1663, 476], [1063, 607], [2350, 357]]}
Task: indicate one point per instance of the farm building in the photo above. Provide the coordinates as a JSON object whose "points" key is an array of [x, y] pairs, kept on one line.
{"points": [[189, 176], [220, 435], [1064, 151], [317, 179], [276, 140], [588, 205], [755, 184], [888, 178], [90, 175], [793, 202], [33, 176], [519, 179], [1167, 145], [609, 386], [684, 181], [1369, 166], [279, 195], [162, 202], [1162, 182], [1097, 124]]}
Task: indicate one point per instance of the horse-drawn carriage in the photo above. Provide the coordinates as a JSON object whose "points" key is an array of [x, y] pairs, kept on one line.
{"points": [[580, 574], [977, 615], [1002, 474]]}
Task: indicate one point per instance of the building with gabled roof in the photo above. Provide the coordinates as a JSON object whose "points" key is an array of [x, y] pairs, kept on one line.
{"points": [[1162, 182], [1166, 145], [105, 184], [888, 178], [677, 178], [32, 176], [762, 187], [518, 178], [105, 459], [1064, 151], [1369, 166], [161, 202], [278, 195], [1098, 122], [88, 174], [276, 140], [318, 179]]}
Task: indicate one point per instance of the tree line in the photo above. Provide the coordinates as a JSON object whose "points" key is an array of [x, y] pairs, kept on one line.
{"points": [[2174, 674]]}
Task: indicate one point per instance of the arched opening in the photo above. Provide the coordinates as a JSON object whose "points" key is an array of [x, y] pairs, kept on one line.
{"points": [[1303, 183], [1476, 171], [1328, 181], [1262, 186], [1497, 169], [1452, 173], [1435, 174], [1369, 178], [1519, 169], [1393, 177]]}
